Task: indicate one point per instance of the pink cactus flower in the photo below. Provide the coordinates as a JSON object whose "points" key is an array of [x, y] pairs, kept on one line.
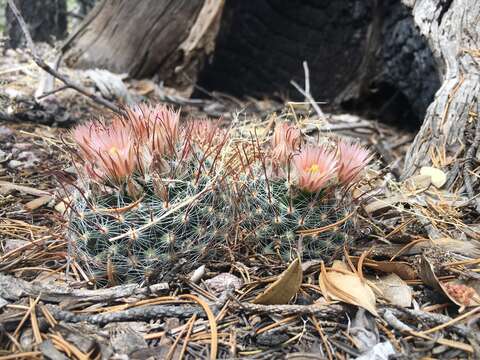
{"points": [[286, 140], [206, 132], [314, 167], [155, 126], [87, 134], [352, 159], [140, 118], [165, 129], [110, 152]]}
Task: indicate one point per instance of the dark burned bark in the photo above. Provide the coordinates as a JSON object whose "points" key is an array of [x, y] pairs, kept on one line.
{"points": [[47, 19], [364, 56], [398, 76], [85, 6], [450, 135], [167, 38], [262, 45]]}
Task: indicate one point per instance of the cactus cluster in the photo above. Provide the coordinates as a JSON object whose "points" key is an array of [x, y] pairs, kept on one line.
{"points": [[155, 197]]}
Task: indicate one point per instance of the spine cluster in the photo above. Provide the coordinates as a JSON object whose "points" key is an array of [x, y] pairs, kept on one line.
{"points": [[157, 197]]}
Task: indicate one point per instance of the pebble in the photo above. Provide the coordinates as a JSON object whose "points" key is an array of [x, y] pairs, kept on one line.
{"points": [[14, 164], [5, 131]]}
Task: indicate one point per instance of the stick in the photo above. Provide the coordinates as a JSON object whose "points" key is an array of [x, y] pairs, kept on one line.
{"points": [[42, 64], [306, 92], [141, 313]]}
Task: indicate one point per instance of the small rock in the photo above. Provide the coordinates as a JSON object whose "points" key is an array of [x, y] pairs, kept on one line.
{"points": [[271, 338], [13, 164], [197, 274], [4, 156], [224, 281], [30, 159], [3, 303], [19, 147], [12, 244], [5, 131]]}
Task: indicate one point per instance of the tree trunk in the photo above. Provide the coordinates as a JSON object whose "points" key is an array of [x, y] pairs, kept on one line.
{"points": [[364, 56], [85, 6], [46, 19], [167, 38], [450, 135]]}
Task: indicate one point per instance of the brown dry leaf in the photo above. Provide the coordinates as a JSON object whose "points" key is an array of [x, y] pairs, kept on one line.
{"points": [[462, 291], [427, 274], [394, 290], [401, 268], [343, 285], [382, 204], [459, 292], [7, 186], [38, 202], [417, 182], [284, 288], [467, 248], [439, 178]]}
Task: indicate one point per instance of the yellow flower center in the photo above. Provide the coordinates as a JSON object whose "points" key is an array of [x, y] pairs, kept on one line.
{"points": [[313, 169], [113, 151]]}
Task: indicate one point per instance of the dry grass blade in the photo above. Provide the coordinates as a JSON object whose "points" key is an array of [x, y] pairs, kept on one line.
{"points": [[451, 322], [177, 340], [187, 337], [323, 337], [211, 321], [22, 355], [34, 322], [25, 317], [69, 348]]}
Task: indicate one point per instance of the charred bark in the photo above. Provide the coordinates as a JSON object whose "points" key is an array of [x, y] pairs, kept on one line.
{"points": [[364, 56], [398, 77], [46, 19]]}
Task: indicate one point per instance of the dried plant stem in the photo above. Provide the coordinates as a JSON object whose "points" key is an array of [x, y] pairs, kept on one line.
{"points": [[42, 64]]}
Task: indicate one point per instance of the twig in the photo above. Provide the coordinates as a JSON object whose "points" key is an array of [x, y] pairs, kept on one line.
{"points": [[306, 92], [12, 288], [397, 324], [142, 313], [51, 92], [317, 310], [42, 64], [432, 318]]}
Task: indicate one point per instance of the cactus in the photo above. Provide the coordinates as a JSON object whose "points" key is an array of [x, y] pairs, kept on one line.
{"points": [[156, 197]]}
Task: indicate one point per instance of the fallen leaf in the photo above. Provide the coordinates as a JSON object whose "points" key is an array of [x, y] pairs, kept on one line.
{"points": [[439, 178], [401, 268], [381, 204], [457, 291], [427, 274], [4, 186], [347, 286], [462, 292], [394, 290], [284, 288], [417, 182], [38, 202], [467, 248]]}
